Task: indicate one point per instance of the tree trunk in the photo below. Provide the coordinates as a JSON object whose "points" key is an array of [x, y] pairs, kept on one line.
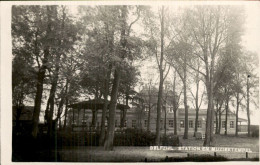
{"points": [[104, 110], [197, 100], [94, 118], [66, 105], [175, 122], [66, 113], [196, 121], [52, 97], [185, 99], [18, 109], [209, 139], [123, 116], [41, 76], [186, 113], [160, 92], [39, 90], [165, 119], [110, 43], [216, 116], [248, 111], [60, 110], [219, 120], [112, 107], [55, 81], [237, 114], [149, 116], [208, 120], [47, 111], [112, 110], [227, 109]]}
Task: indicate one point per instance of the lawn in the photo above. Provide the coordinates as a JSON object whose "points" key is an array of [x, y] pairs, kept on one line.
{"points": [[140, 154], [241, 141]]}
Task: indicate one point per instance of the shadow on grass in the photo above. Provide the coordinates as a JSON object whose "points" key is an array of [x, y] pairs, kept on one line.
{"points": [[204, 158]]}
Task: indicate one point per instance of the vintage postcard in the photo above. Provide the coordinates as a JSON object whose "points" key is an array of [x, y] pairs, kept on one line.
{"points": [[129, 81]]}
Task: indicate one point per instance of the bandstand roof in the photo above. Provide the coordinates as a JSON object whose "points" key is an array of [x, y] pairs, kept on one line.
{"points": [[95, 104]]}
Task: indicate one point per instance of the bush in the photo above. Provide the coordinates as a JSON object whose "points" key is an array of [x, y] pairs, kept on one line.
{"points": [[78, 139], [171, 140], [255, 133], [134, 137]]}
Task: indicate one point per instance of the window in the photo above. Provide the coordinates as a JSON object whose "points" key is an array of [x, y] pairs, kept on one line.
{"points": [[171, 123], [84, 121], [146, 108], [231, 124], [133, 123], [199, 124], [116, 123], [171, 110], [161, 123], [125, 123], [215, 124], [182, 123], [190, 124], [223, 124], [145, 123]]}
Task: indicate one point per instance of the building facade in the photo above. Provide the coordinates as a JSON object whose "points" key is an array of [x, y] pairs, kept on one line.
{"points": [[137, 117]]}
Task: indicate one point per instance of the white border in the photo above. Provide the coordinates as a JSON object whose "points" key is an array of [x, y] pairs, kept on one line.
{"points": [[6, 61]]}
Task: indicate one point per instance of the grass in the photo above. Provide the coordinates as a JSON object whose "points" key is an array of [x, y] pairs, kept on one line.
{"points": [[241, 141], [142, 154]]}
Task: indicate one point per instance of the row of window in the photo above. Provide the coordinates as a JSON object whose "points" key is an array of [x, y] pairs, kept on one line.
{"points": [[170, 123], [223, 124], [191, 125], [169, 110]]}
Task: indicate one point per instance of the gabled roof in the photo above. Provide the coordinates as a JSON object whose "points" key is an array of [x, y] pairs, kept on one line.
{"points": [[95, 104]]}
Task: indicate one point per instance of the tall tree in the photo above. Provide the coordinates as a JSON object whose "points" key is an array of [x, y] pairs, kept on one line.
{"points": [[208, 26], [175, 101], [128, 49], [197, 100], [162, 68], [39, 22]]}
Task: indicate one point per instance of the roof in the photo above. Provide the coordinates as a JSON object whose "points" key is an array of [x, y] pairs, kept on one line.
{"points": [[204, 111], [241, 119], [95, 104]]}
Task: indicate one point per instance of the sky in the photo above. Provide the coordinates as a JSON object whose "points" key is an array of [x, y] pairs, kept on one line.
{"points": [[250, 40]]}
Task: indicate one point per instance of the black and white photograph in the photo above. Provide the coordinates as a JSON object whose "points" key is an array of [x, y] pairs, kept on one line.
{"points": [[130, 82]]}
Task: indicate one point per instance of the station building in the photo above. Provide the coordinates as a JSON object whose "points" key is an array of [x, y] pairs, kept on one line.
{"points": [[87, 115]]}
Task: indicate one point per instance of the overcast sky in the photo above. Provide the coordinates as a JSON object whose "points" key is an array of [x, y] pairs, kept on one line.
{"points": [[251, 41]]}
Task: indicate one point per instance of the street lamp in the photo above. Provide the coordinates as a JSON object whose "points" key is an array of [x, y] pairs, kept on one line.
{"points": [[248, 113]]}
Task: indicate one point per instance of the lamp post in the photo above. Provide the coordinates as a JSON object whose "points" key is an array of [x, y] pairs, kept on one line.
{"points": [[248, 113]]}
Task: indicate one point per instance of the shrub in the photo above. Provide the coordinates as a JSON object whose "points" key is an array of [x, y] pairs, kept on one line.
{"points": [[171, 140], [255, 133], [78, 139], [134, 137]]}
